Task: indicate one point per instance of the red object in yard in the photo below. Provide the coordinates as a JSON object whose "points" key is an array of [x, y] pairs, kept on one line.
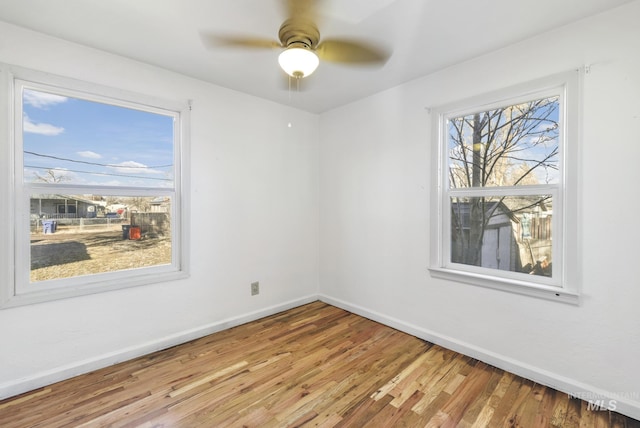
{"points": [[134, 232]]}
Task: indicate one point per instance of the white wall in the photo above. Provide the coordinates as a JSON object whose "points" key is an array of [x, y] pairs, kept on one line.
{"points": [[254, 217], [375, 184]]}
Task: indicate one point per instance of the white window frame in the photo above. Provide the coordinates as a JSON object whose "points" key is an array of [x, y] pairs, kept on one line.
{"points": [[17, 289], [564, 286]]}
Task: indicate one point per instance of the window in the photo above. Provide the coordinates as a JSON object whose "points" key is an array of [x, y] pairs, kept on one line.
{"points": [[97, 188], [505, 201]]}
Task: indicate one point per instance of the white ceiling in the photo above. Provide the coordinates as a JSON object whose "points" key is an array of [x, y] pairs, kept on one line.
{"points": [[423, 35]]}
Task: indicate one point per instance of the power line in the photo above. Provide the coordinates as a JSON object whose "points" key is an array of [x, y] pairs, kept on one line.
{"points": [[95, 163]]}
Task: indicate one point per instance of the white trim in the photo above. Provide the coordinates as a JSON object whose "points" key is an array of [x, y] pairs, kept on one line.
{"points": [[625, 405], [48, 377], [511, 285], [18, 290], [556, 381], [7, 256], [82, 286], [564, 284]]}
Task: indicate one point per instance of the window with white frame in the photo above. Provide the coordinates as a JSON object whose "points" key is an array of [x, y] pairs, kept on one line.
{"points": [[504, 205], [97, 189]]}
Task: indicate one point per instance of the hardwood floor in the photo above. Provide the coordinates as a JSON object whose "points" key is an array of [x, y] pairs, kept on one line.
{"points": [[315, 365]]}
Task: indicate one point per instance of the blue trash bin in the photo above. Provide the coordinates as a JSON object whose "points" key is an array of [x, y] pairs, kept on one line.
{"points": [[47, 226], [125, 231]]}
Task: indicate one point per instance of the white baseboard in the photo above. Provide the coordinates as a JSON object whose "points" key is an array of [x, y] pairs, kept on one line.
{"points": [[48, 377], [623, 404]]}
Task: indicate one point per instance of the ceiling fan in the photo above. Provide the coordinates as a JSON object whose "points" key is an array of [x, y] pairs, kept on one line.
{"points": [[302, 47]]}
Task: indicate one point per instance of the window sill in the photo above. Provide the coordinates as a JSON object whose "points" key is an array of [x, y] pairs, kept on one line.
{"points": [[555, 294], [98, 286]]}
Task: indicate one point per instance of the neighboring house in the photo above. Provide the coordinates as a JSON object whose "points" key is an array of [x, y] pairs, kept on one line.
{"points": [[160, 205], [58, 206], [517, 242]]}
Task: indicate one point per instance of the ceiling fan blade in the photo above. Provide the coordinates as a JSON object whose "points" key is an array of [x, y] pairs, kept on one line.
{"points": [[351, 52], [214, 41]]}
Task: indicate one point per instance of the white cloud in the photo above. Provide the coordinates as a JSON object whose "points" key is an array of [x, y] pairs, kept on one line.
{"points": [[89, 154], [40, 128], [133, 167], [42, 100], [63, 171]]}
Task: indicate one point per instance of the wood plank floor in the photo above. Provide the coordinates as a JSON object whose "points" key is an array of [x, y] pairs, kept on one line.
{"points": [[315, 365]]}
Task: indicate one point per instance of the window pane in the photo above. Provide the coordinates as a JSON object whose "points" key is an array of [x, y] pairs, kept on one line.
{"points": [[76, 141], [73, 235], [507, 233], [509, 146]]}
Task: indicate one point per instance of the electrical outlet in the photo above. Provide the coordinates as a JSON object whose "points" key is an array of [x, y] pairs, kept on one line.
{"points": [[255, 288]]}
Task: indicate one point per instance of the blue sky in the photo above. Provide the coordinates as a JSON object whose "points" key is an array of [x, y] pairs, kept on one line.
{"points": [[535, 145], [95, 144]]}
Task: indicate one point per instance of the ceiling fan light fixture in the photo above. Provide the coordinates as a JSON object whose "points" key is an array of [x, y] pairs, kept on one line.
{"points": [[298, 61]]}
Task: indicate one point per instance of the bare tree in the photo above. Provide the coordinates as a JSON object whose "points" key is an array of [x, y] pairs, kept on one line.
{"points": [[52, 176], [509, 146], [139, 203]]}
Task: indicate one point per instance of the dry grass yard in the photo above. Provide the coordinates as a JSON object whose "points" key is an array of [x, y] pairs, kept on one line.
{"points": [[67, 254]]}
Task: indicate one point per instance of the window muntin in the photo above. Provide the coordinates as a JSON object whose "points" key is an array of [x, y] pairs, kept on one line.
{"points": [[513, 144], [518, 164], [85, 149]]}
